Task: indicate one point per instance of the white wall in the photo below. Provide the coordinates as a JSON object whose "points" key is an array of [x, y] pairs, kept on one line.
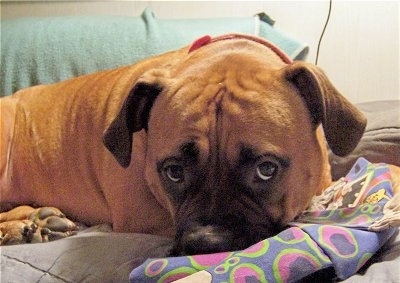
{"points": [[359, 52], [361, 49]]}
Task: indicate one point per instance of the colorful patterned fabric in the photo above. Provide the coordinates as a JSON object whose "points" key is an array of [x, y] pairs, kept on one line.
{"points": [[333, 233]]}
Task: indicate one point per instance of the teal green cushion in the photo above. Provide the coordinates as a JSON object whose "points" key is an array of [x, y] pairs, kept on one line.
{"points": [[46, 50]]}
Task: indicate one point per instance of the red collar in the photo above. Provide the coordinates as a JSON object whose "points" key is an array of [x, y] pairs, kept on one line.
{"points": [[202, 41]]}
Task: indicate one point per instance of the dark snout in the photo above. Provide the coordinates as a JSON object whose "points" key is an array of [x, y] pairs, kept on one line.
{"points": [[227, 234], [204, 235], [204, 240]]}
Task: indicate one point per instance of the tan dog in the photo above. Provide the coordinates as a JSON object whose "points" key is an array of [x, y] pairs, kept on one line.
{"points": [[213, 141]]}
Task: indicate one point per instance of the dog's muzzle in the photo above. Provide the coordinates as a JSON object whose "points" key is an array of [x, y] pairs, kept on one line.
{"points": [[205, 240], [229, 234]]}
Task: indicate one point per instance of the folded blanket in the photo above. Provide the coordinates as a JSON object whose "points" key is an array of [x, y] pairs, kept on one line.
{"points": [[46, 50], [338, 233]]}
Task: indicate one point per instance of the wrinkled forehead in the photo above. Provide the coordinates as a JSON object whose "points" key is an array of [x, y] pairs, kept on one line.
{"points": [[231, 114], [241, 69], [223, 92]]}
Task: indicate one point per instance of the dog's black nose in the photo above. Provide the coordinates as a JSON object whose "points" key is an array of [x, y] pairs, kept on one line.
{"points": [[205, 240]]}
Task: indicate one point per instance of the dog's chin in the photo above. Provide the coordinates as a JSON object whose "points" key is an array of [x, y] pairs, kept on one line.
{"points": [[214, 239]]}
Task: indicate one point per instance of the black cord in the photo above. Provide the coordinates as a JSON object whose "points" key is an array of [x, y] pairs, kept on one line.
{"points": [[323, 31]]}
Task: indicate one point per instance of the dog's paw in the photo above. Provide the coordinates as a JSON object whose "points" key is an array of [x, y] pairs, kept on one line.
{"points": [[53, 223], [28, 225], [19, 232]]}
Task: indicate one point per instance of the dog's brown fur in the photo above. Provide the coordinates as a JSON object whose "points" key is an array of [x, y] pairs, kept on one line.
{"points": [[227, 106], [52, 152]]}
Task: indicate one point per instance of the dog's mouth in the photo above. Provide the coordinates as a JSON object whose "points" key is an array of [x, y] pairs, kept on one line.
{"points": [[206, 239]]}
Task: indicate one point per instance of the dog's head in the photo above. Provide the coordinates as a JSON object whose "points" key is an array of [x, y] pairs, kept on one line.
{"points": [[234, 146]]}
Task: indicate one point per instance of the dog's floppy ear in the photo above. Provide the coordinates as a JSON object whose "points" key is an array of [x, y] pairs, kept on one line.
{"points": [[132, 117], [342, 122]]}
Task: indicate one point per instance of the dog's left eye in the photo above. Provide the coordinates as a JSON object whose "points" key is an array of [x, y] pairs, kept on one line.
{"points": [[175, 173], [266, 170]]}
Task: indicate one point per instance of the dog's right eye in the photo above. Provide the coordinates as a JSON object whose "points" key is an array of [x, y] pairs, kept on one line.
{"points": [[266, 171], [175, 173]]}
